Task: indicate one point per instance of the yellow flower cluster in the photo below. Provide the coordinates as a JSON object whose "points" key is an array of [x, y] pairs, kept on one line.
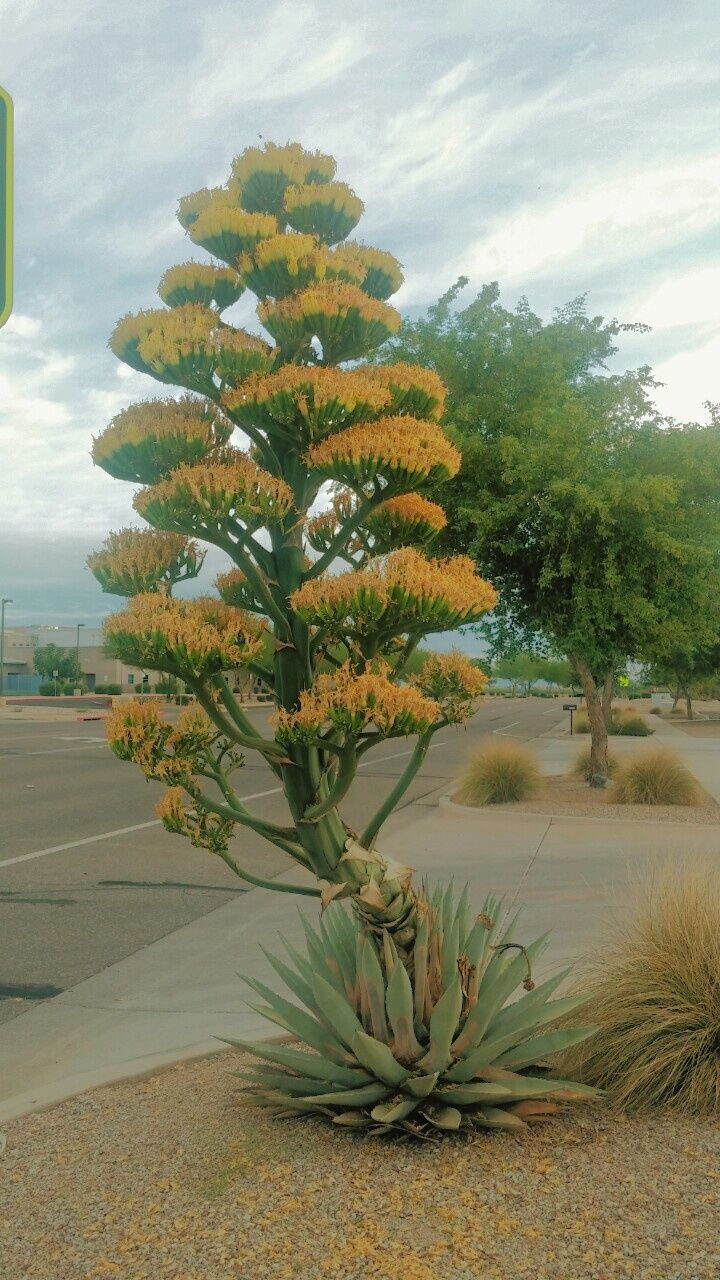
{"points": [[309, 401], [234, 588], [398, 448], [184, 637], [177, 334], [328, 210], [412, 507], [337, 194], [376, 271], [453, 681], [136, 731], [200, 282], [147, 439], [133, 560], [414, 389], [191, 497], [191, 206], [399, 591], [227, 232], [332, 298], [352, 702], [130, 331], [295, 163], [322, 528], [204, 830]]}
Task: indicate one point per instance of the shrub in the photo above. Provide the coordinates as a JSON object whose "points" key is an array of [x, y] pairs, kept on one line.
{"points": [[655, 777], [581, 765], [499, 772], [655, 999], [655, 711], [624, 723], [627, 725], [47, 689]]}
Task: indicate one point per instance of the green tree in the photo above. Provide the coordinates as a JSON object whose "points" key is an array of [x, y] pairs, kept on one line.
{"points": [[570, 496], [49, 658]]}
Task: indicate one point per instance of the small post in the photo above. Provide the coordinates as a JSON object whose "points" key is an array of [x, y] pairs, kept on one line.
{"points": [[571, 707], [5, 600]]}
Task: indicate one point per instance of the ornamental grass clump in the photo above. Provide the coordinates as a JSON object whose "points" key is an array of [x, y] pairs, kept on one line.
{"points": [[336, 650], [582, 765], [655, 777], [499, 772], [654, 992]]}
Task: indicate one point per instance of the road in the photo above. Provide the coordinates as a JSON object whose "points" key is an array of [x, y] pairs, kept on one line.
{"points": [[88, 876]]}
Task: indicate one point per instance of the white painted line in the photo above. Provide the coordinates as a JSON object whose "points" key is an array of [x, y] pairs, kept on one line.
{"points": [[507, 726], [143, 826]]}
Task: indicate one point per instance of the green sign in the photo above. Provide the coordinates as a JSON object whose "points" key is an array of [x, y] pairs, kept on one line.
{"points": [[6, 204]]}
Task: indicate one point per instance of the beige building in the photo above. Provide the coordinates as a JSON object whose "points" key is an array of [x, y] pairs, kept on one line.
{"points": [[97, 667]]}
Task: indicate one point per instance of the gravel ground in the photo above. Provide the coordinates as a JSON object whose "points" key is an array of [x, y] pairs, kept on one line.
{"points": [[170, 1178], [570, 797]]}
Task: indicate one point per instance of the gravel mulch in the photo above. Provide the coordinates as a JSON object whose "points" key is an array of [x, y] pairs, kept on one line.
{"points": [[169, 1179], [566, 796]]}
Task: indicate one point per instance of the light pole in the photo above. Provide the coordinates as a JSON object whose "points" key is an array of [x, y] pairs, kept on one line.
{"points": [[5, 600], [77, 648]]}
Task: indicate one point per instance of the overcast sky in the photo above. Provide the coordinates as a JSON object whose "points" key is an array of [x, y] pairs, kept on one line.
{"points": [[558, 147]]}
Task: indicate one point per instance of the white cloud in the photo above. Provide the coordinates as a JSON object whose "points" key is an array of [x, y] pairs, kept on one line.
{"points": [[691, 378], [692, 298]]}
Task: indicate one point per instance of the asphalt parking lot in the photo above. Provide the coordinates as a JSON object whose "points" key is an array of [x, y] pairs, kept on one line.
{"points": [[87, 874]]}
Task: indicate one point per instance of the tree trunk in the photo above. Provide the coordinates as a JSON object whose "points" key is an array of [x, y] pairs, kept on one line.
{"points": [[607, 697], [676, 697], [598, 728], [688, 704]]}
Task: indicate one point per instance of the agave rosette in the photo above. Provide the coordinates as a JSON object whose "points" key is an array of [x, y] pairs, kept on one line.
{"points": [[140, 560], [438, 1051], [202, 283], [393, 454], [146, 441], [398, 593], [305, 403], [263, 174], [227, 232], [351, 703], [202, 499], [345, 320], [188, 638], [328, 210]]}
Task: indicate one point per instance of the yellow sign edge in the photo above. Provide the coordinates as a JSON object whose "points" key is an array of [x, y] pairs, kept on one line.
{"points": [[8, 246]]}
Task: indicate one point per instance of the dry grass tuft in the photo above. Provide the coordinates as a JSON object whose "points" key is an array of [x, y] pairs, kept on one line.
{"points": [[655, 711], [497, 773], [655, 777], [581, 765], [654, 991]]}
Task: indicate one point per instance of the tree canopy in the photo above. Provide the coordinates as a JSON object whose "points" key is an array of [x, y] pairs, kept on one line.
{"points": [[596, 519]]}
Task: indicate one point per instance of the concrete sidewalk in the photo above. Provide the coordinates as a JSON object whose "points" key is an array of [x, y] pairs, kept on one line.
{"points": [[171, 999]]}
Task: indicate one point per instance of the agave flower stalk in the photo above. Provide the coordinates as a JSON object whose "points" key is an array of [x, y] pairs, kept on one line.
{"points": [[238, 460]]}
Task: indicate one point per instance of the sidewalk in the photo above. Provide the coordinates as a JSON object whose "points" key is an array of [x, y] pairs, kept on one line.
{"points": [[171, 999]]}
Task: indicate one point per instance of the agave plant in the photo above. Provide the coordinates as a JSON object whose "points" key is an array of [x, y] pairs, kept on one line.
{"points": [[417, 1047]]}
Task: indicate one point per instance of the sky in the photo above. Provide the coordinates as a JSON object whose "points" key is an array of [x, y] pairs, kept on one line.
{"points": [[559, 148]]}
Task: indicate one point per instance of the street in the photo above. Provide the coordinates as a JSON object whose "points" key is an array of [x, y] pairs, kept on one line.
{"points": [[87, 874]]}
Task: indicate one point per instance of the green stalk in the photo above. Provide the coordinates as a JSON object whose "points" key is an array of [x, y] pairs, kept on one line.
{"points": [[381, 815]]}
